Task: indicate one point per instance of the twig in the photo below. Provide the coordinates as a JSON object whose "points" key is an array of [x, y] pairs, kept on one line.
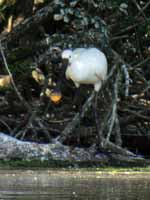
{"points": [[142, 62], [111, 72], [130, 27], [46, 132], [98, 128], [114, 108], [29, 125], [127, 79], [118, 139], [139, 8], [142, 117], [118, 37], [144, 8], [147, 87], [5, 124], [117, 57], [141, 77]]}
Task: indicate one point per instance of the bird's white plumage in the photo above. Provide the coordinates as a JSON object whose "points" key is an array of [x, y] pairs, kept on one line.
{"points": [[86, 66], [71, 55]]}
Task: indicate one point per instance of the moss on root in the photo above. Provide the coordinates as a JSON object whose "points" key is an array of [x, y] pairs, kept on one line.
{"points": [[53, 164]]}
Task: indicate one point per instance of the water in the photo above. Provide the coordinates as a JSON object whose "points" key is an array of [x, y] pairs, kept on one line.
{"points": [[22, 185]]}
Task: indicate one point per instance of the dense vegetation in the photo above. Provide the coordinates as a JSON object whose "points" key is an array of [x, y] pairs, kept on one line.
{"points": [[33, 35]]}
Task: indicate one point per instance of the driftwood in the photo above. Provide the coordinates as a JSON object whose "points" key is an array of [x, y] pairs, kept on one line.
{"points": [[11, 148]]}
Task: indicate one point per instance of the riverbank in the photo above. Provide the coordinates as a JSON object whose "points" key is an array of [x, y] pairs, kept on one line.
{"points": [[44, 176]]}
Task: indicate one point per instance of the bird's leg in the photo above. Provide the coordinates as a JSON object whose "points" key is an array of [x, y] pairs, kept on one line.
{"points": [[98, 128], [76, 98]]}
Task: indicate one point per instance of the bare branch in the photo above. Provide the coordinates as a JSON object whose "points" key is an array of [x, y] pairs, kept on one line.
{"points": [[127, 79], [114, 109], [139, 8], [118, 139]]}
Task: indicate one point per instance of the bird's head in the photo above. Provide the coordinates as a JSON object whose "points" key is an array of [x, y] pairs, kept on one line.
{"points": [[66, 54]]}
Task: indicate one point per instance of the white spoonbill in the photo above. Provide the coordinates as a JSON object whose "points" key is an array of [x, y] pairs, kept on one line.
{"points": [[86, 66]]}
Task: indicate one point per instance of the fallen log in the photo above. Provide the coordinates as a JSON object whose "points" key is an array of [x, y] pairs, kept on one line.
{"points": [[11, 148]]}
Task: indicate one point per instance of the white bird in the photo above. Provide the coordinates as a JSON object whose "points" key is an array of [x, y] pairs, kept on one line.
{"points": [[86, 66]]}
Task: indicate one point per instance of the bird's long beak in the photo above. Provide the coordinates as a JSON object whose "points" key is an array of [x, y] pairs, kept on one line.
{"points": [[65, 63]]}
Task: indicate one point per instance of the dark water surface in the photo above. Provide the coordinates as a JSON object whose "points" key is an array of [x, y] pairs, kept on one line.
{"points": [[29, 185]]}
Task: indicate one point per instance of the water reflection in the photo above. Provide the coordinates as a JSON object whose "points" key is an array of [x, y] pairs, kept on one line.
{"points": [[69, 188]]}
